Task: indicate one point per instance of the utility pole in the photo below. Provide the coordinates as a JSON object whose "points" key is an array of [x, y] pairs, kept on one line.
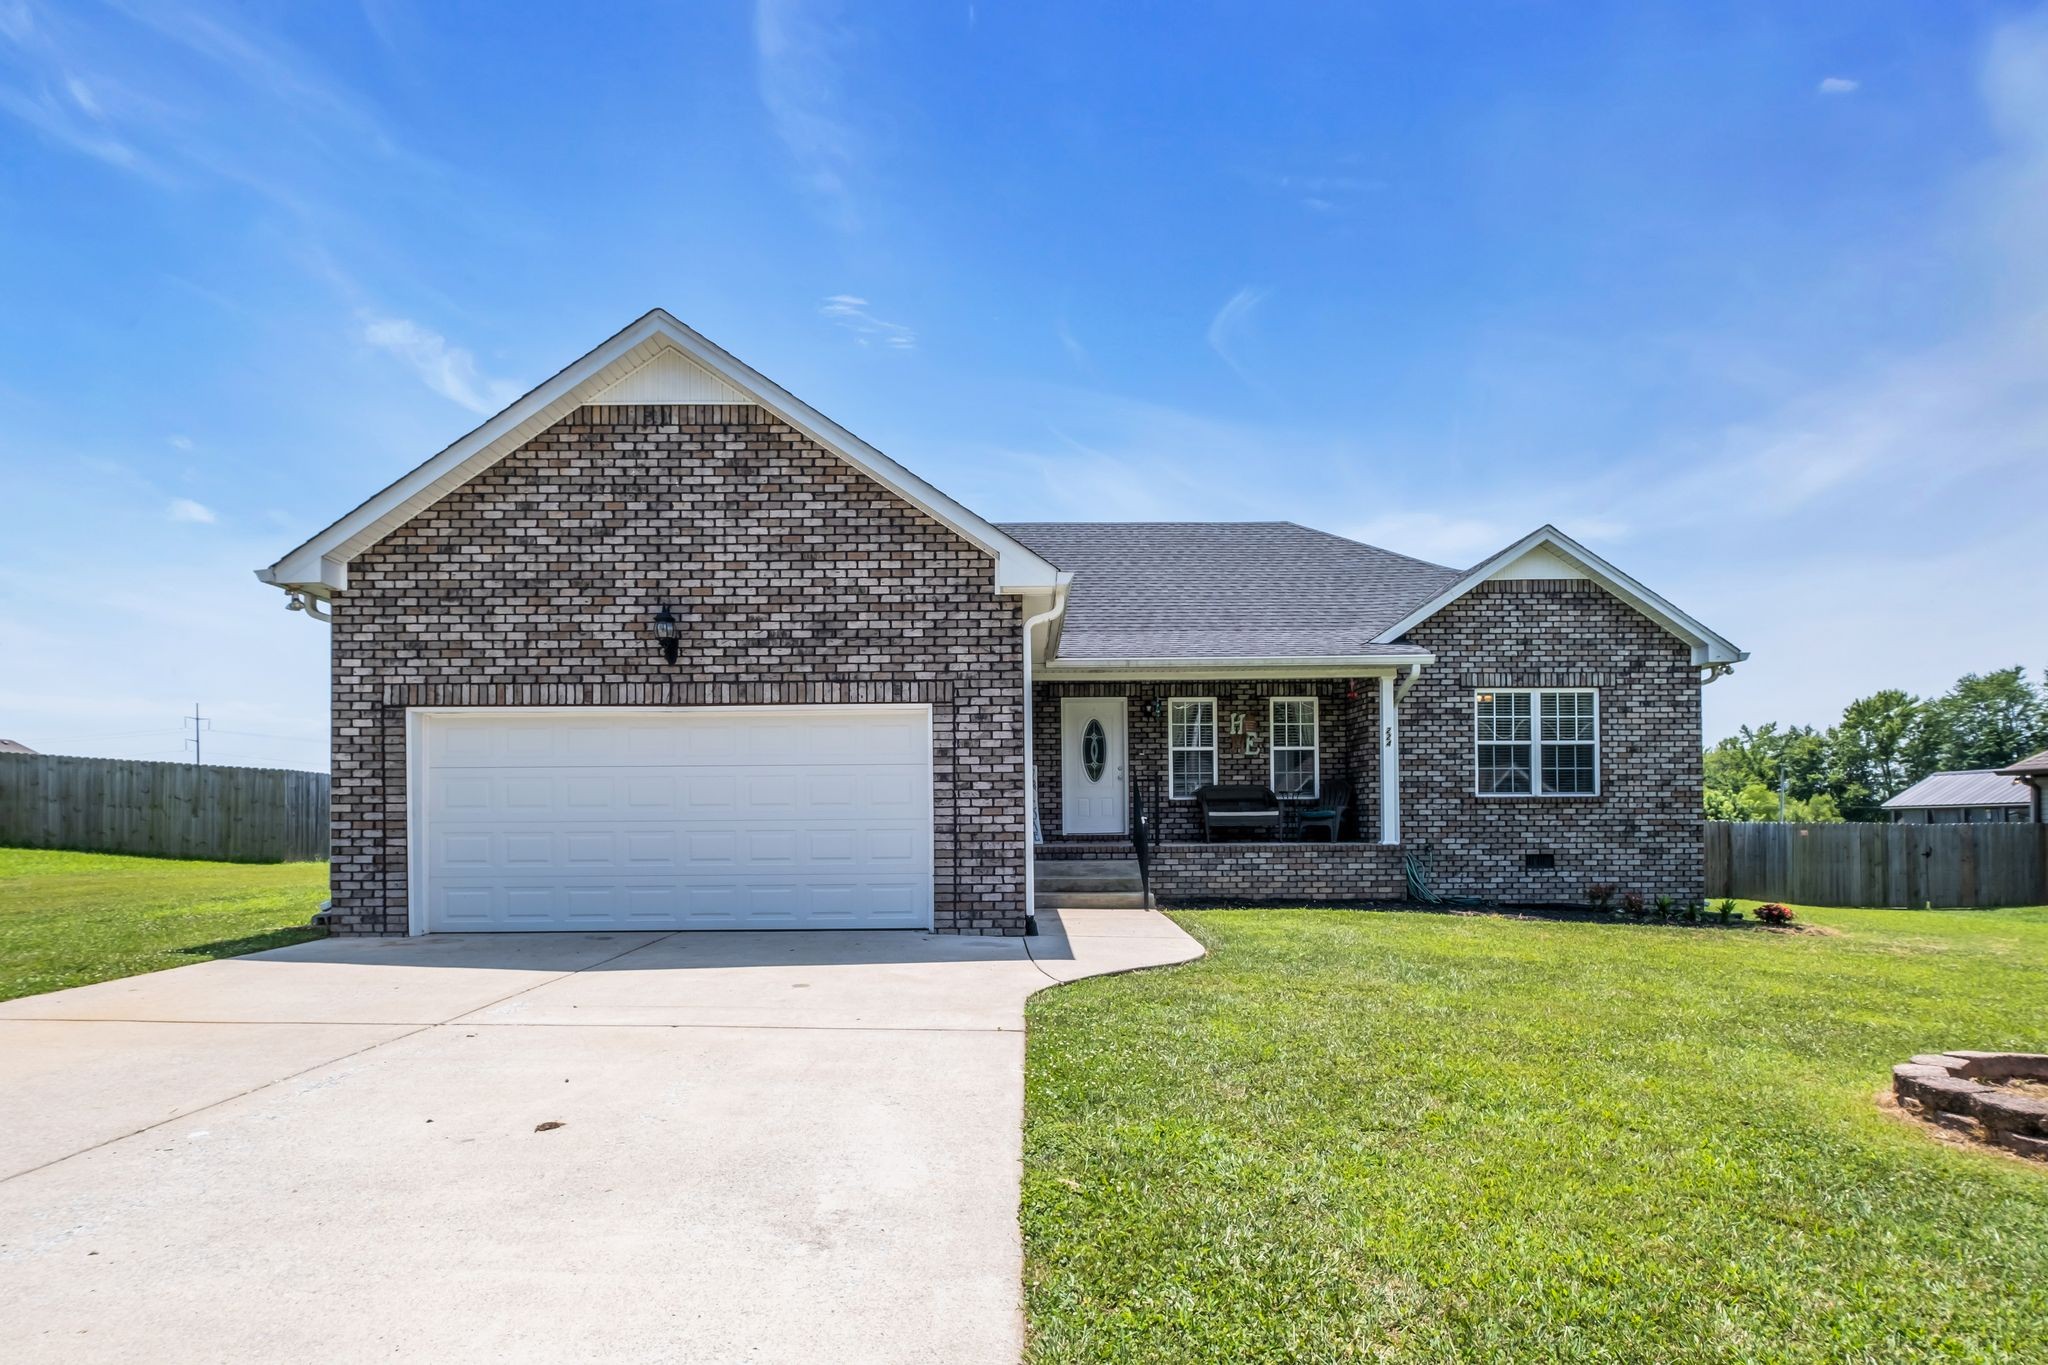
{"points": [[200, 725]]}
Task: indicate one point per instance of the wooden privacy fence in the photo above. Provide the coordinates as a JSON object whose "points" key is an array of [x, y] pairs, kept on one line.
{"points": [[1879, 865], [172, 810]]}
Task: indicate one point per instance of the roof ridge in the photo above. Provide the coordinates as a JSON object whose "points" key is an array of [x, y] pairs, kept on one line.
{"points": [[1394, 554]]}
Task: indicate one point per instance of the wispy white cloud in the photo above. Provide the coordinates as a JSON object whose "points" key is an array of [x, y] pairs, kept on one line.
{"points": [[42, 85], [1838, 85], [1229, 325], [799, 55], [184, 509], [852, 312], [1072, 344], [450, 371], [179, 443]]}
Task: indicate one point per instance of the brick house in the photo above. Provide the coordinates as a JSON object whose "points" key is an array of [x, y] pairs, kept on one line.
{"points": [[661, 646]]}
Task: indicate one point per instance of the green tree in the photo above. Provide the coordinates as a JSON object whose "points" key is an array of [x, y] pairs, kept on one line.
{"points": [[1870, 757], [1991, 719], [1759, 756]]}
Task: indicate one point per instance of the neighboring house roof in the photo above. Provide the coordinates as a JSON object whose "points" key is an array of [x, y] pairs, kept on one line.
{"points": [[14, 746], [1549, 546], [1969, 787], [1257, 591], [2033, 765], [654, 360]]}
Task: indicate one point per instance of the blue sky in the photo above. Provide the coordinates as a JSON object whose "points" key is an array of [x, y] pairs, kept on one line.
{"points": [[1750, 297]]}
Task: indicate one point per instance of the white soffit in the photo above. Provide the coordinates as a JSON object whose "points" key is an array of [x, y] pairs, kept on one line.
{"points": [[1547, 552], [655, 357]]}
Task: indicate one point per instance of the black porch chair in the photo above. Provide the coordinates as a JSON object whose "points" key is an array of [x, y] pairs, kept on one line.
{"points": [[1329, 812]]}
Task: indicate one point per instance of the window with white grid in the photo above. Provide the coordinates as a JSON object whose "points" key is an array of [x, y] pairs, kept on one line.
{"points": [[1536, 742], [1291, 740], [1190, 745]]}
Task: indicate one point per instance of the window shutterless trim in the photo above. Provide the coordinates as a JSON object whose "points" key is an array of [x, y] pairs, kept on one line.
{"points": [[1535, 744], [1314, 748], [1213, 748]]}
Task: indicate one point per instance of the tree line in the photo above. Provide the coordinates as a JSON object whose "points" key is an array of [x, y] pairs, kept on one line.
{"points": [[1883, 744]]}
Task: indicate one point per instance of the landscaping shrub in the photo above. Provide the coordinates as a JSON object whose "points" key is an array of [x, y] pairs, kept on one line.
{"points": [[1600, 895], [1632, 905], [1727, 911], [1775, 914], [1664, 904]]}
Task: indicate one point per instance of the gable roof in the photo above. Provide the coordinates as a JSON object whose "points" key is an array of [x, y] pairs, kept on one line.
{"points": [[655, 355], [1968, 787], [1264, 592], [1708, 647], [2033, 765]]}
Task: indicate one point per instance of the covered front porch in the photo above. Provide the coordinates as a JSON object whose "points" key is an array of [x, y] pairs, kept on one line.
{"points": [[1107, 751]]}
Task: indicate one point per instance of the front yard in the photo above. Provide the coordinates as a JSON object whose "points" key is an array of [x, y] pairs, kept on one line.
{"points": [[1376, 1135], [69, 919]]}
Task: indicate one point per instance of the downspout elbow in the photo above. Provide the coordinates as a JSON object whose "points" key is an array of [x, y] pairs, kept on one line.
{"points": [[309, 604]]}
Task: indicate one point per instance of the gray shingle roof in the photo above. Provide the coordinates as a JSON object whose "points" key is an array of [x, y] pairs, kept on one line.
{"points": [[1970, 787], [1229, 590]]}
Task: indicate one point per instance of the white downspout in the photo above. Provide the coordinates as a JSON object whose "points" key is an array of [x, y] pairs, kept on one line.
{"points": [[1050, 614]]}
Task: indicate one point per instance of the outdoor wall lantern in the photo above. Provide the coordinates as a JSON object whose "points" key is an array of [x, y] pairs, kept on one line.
{"points": [[665, 632]]}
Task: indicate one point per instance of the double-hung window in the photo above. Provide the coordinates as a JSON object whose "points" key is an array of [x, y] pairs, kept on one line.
{"points": [[1536, 742], [1291, 731], [1190, 745]]}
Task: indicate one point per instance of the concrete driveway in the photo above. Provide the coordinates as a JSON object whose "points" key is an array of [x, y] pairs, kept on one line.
{"points": [[773, 1147]]}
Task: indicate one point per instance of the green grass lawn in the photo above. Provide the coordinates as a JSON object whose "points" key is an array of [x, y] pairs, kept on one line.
{"points": [[1384, 1135], [67, 919]]}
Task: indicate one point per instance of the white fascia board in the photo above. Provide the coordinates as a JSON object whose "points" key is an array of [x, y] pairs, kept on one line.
{"points": [[1311, 666], [323, 560], [1708, 646]]}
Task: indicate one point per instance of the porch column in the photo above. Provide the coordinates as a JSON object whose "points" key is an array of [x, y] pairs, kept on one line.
{"points": [[1390, 763]]}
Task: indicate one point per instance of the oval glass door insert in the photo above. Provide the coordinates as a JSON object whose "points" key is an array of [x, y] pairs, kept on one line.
{"points": [[1094, 750]]}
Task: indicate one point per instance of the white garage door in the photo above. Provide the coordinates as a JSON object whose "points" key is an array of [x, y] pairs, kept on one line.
{"points": [[816, 817]]}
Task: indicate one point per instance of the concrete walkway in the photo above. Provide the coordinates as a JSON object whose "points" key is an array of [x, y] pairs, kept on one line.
{"points": [[773, 1147]]}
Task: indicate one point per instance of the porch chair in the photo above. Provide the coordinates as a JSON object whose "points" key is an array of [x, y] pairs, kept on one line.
{"points": [[1329, 812]]}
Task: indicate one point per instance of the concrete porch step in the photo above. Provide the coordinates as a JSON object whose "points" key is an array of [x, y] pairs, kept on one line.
{"points": [[1088, 875], [1090, 900]]}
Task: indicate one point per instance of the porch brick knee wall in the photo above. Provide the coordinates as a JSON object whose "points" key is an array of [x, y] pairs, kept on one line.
{"points": [[795, 578], [1645, 831], [1276, 873]]}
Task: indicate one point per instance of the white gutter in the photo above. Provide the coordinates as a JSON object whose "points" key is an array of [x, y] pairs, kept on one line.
{"points": [[1050, 614], [1414, 677]]}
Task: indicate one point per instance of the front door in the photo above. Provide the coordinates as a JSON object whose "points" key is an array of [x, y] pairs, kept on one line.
{"points": [[1092, 765]]}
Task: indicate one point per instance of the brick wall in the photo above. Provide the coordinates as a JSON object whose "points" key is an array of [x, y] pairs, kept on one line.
{"points": [[1347, 729], [796, 579], [1644, 831], [1276, 874]]}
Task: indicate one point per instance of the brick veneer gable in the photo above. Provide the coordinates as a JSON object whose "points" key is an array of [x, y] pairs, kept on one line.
{"points": [[796, 579], [1645, 830]]}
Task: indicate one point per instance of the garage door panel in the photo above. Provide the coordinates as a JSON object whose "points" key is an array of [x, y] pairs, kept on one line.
{"points": [[685, 819]]}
